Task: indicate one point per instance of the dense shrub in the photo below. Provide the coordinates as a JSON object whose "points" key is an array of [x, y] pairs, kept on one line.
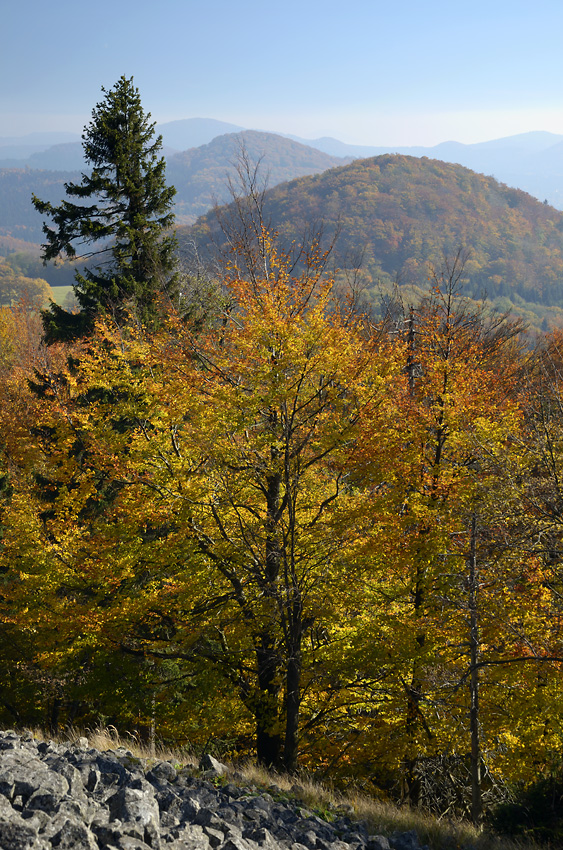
{"points": [[536, 810]]}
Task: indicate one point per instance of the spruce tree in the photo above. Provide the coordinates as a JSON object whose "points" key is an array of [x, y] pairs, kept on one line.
{"points": [[122, 228]]}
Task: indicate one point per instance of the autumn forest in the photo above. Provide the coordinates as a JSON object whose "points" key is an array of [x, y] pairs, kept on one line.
{"points": [[245, 511]]}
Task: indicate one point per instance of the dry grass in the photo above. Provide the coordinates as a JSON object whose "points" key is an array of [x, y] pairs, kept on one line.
{"points": [[385, 818], [108, 738], [382, 818]]}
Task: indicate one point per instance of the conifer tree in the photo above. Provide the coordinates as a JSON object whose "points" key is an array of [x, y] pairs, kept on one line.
{"points": [[123, 225]]}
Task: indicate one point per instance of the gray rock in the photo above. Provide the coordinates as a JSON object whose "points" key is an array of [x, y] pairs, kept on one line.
{"points": [[129, 842], [211, 765], [214, 836], [10, 741], [138, 811], [406, 841], [38, 820], [194, 836], [236, 844], [16, 834], [161, 773], [57, 797], [49, 794], [232, 790], [21, 773], [207, 817], [263, 838], [68, 833], [190, 809], [378, 842]]}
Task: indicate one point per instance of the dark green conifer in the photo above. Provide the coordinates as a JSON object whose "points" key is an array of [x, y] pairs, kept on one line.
{"points": [[124, 224]]}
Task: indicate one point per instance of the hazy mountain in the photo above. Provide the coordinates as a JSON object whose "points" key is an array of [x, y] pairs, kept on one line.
{"points": [[523, 161], [517, 147], [530, 161], [201, 175], [65, 157], [400, 213], [37, 140], [20, 151], [193, 132], [63, 151], [18, 218]]}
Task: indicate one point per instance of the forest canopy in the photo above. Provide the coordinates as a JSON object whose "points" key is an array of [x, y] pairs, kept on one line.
{"points": [[292, 530], [393, 217], [255, 516]]}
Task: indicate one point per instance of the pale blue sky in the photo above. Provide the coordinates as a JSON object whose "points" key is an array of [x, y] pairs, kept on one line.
{"points": [[364, 71]]}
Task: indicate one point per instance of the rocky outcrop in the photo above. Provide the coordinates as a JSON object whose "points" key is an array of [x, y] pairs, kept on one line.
{"points": [[73, 797]]}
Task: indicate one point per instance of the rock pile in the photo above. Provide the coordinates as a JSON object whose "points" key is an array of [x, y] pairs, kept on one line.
{"points": [[73, 797]]}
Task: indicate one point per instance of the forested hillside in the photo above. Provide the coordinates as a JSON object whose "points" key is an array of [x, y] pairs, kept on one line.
{"points": [[201, 175], [239, 512], [16, 287], [18, 219], [395, 215]]}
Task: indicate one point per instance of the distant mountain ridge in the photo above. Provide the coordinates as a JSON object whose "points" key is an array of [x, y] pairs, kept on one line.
{"points": [[194, 132], [63, 151], [530, 161], [202, 175], [521, 144]]}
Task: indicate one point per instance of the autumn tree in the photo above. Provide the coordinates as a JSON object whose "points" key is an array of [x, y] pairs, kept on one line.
{"points": [[458, 371], [16, 288], [21, 352], [229, 528], [123, 228]]}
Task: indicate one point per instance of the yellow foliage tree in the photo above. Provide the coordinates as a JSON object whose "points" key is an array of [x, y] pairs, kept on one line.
{"points": [[220, 462]]}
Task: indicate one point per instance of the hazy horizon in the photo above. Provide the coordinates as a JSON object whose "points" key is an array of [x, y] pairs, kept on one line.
{"points": [[76, 135], [367, 74]]}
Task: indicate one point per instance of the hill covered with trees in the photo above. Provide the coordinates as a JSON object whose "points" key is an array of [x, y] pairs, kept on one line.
{"points": [[201, 175], [396, 215], [18, 219], [15, 286], [279, 526]]}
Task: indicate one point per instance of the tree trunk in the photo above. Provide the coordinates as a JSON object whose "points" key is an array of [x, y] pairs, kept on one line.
{"points": [[293, 702], [267, 708], [268, 725], [54, 715], [476, 792], [414, 697]]}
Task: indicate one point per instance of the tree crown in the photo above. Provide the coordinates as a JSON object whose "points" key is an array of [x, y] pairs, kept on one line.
{"points": [[124, 225]]}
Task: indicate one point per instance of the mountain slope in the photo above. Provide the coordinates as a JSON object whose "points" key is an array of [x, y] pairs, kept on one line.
{"points": [[18, 218], [402, 213], [201, 175], [193, 132]]}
